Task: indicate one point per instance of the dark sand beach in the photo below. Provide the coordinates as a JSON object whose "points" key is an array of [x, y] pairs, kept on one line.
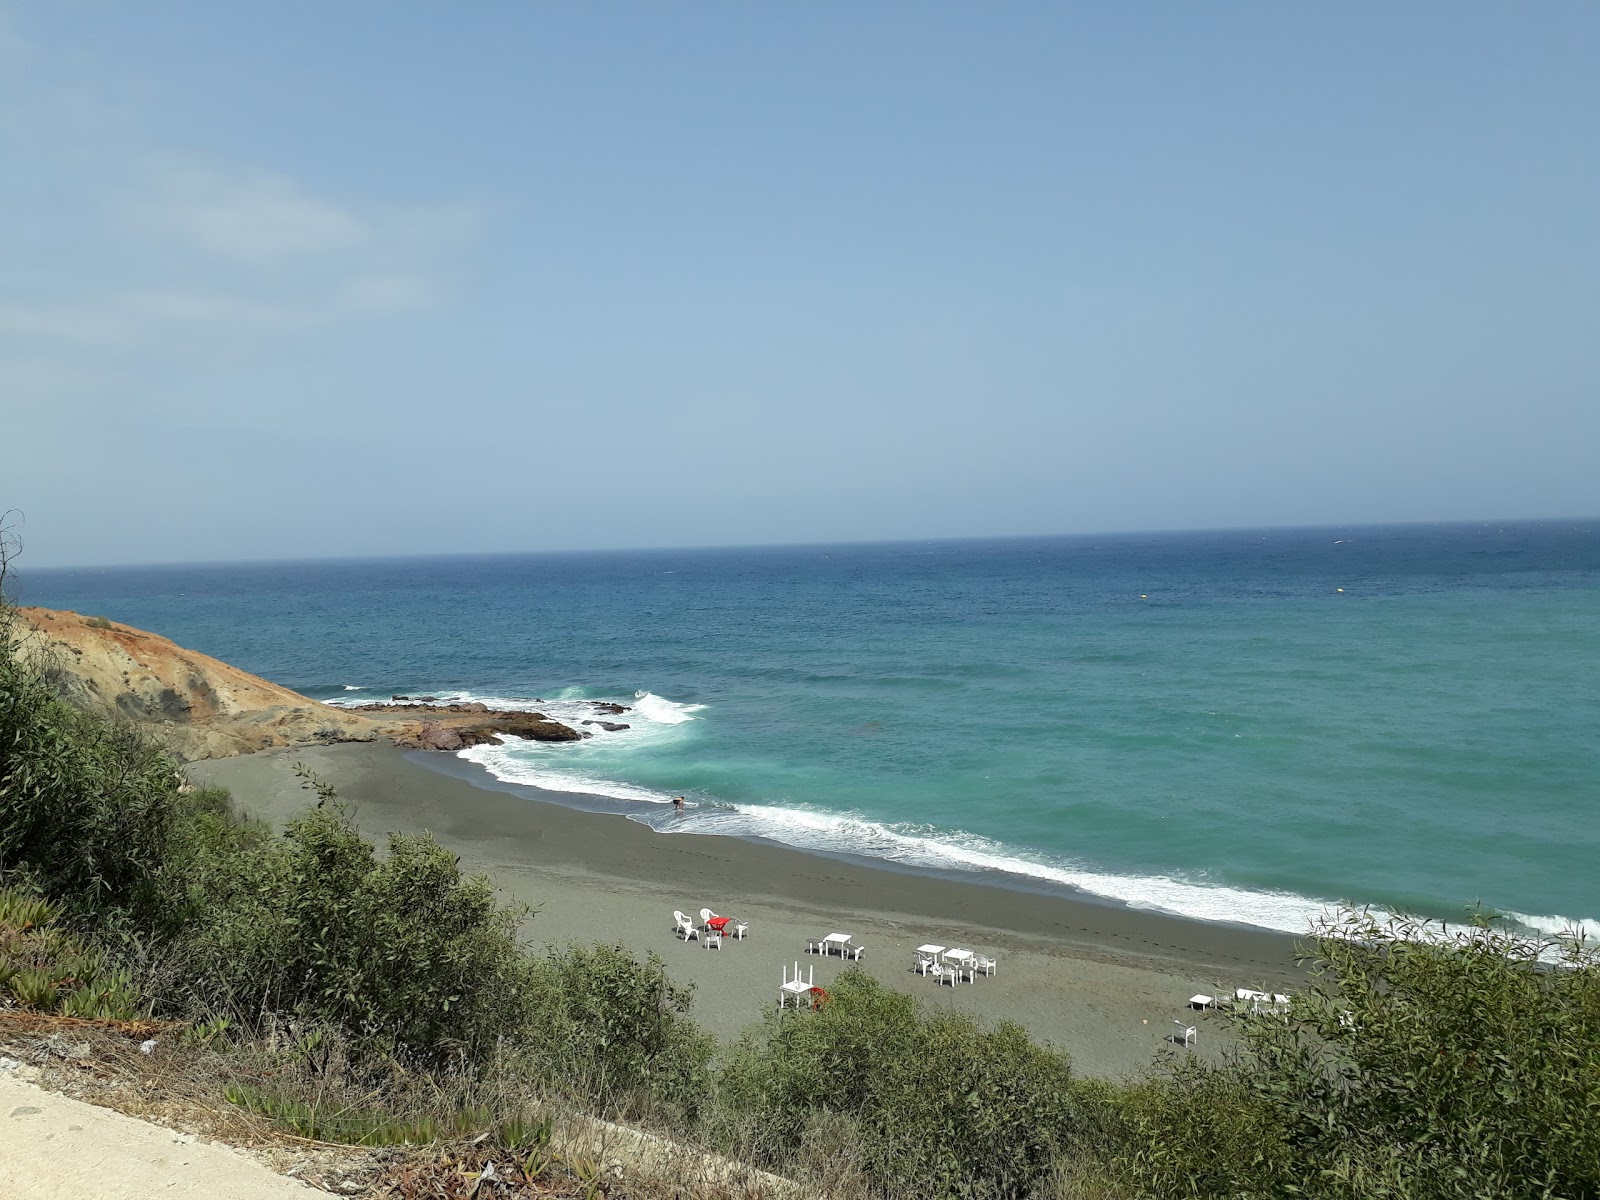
{"points": [[1101, 981]]}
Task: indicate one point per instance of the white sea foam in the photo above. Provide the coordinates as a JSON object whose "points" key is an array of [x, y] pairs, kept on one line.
{"points": [[953, 850], [1586, 930], [350, 687], [949, 850], [652, 718], [663, 711], [512, 763]]}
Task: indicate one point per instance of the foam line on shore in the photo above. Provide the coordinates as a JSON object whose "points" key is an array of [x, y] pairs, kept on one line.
{"points": [[952, 850], [652, 718], [943, 850]]}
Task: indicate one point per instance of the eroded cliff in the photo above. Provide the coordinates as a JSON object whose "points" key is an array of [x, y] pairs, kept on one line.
{"points": [[204, 708]]}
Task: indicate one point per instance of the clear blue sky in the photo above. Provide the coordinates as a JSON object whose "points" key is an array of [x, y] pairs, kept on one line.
{"points": [[301, 279]]}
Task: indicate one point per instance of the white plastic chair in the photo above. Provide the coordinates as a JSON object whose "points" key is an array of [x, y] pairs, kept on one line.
{"points": [[924, 961], [943, 974], [984, 963], [815, 945], [961, 970], [854, 951], [685, 927], [712, 941], [740, 928], [1186, 1034]]}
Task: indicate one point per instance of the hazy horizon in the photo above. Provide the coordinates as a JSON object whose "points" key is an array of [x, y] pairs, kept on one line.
{"points": [[21, 562]]}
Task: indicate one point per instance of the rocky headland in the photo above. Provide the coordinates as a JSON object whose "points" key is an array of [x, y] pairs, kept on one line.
{"points": [[203, 708]]}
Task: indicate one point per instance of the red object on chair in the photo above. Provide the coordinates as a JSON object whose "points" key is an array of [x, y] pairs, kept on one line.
{"points": [[719, 923]]}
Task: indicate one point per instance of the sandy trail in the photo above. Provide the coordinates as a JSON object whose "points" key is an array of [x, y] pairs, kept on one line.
{"points": [[54, 1146]]}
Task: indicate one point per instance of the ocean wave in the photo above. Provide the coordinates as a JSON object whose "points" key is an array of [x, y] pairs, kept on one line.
{"points": [[956, 850], [648, 717], [945, 850], [350, 687], [512, 763], [1586, 930], [930, 848], [663, 711], [652, 718]]}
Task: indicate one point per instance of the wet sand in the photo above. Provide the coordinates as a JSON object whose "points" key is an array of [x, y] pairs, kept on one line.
{"points": [[1101, 981]]}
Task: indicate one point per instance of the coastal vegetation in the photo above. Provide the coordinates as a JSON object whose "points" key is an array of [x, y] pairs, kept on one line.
{"points": [[381, 996]]}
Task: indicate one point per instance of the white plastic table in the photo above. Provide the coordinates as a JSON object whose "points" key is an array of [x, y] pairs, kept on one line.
{"points": [[930, 949], [835, 941], [796, 988], [959, 956]]}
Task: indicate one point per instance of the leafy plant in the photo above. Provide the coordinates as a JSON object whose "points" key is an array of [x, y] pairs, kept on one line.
{"points": [[35, 988], [402, 953], [614, 1031], [1422, 1062], [48, 969], [940, 1104], [90, 809], [353, 1125]]}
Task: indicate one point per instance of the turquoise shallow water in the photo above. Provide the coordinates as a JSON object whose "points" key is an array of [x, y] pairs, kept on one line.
{"points": [[1203, 723]]}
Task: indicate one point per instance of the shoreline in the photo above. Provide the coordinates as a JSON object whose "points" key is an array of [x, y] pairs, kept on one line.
{"points": [[480, 776], [1100, 980]]}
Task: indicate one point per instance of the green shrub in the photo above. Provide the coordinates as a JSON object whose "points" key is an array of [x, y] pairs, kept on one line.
{"points": [[1417, 1065], [401, 952], [613, 1031], [89, 808], [98, 623], [942, 1104]]}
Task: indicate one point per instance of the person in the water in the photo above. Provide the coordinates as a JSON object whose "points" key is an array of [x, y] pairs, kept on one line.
{"points": [[677, 803]]}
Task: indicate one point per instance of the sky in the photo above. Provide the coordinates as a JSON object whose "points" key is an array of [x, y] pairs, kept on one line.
{"points": [[308, 279]]}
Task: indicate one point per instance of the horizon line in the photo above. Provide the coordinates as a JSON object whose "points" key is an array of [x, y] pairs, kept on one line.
{"points": [[15, 567]]}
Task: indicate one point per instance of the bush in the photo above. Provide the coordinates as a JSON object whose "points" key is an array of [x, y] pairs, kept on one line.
{"points": [[88, 807], [401, 953], [1417, 1065], [942, 1105], [614, 1033]]}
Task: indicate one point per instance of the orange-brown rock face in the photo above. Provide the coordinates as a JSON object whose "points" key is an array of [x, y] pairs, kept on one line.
{"points": [[198, 705], [204, 708]]}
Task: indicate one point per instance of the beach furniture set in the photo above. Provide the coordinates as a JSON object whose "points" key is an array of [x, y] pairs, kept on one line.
{"points": [[952, 965], [842, 944], [1184, 1034], [1259, 1002], [711, 930]]}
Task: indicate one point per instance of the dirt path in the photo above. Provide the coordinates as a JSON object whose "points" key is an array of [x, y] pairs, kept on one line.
{"points": [[52, 1146]]}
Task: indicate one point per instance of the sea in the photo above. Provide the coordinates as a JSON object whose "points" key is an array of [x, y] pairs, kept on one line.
{"points": [[1250, 726]]}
